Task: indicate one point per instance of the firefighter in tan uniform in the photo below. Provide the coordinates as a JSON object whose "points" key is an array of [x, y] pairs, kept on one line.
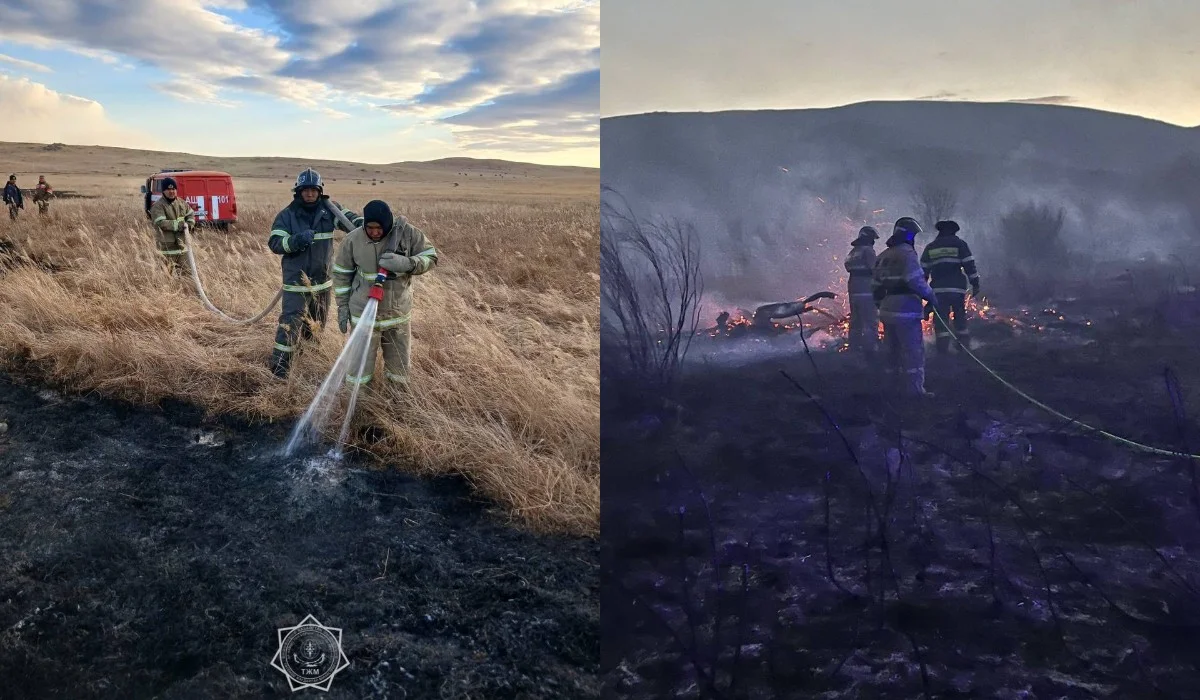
{"points": [[169, 215], [404, 251], [899, 285], [864, 317]]}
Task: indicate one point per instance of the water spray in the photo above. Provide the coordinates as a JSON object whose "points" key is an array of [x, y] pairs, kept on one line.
{"points": [[355, 354]]}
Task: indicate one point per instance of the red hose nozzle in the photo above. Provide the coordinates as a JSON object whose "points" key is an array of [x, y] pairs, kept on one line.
{"points": [[376, 292]]}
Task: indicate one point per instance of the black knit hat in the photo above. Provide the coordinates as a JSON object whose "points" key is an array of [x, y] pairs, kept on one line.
{"points": [[378, 212], [168, 182]]}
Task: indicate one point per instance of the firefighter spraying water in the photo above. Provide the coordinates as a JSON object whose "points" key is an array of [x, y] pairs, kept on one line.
{"points": [[389, 251]]}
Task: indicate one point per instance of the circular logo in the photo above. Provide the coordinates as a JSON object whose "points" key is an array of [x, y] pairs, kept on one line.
{"points": [[309, 654]]}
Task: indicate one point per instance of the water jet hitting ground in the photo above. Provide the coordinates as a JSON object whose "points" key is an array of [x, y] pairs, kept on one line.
{"points": [[354, 355]]}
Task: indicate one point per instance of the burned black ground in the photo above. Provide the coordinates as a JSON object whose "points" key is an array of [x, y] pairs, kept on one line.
{"points": [[1019, 557], [154, 553]]}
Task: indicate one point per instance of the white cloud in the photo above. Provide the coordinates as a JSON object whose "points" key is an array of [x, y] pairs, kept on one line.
{"points": [[27, 65], [417, 58], [193, 91], [35, 113]]}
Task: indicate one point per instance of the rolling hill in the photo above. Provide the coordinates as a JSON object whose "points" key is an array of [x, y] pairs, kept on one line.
{"points": [[775, 194]]}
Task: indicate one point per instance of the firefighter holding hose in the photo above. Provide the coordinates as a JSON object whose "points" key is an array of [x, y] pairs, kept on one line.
{"points": [[384, 243], [302, 235], [169, 215], [950, 266], [899, 285]]}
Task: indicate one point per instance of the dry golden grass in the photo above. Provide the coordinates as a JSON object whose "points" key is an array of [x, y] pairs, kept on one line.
{"points": [[505, 334]]}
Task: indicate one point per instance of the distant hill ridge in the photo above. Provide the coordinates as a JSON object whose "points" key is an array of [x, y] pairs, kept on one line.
{"points": [[1076, 137], [59, 156]]}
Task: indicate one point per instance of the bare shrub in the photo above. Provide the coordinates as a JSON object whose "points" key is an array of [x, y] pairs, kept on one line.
{"points": [[650, 293], [933, 202], [1035, 252]]}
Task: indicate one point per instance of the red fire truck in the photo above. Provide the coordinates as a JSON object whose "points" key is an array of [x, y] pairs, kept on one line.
{"points": [[209, 192]]}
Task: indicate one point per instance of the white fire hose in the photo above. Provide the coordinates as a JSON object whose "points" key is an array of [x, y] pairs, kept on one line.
{"points": [[1103, 433], [187, 243]]}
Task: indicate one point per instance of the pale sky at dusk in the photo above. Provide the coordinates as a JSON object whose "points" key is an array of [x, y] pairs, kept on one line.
{"points": [[1138, 57]]}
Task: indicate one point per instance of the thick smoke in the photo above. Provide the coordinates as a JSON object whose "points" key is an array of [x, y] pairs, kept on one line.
{"points": [[776, 208]]}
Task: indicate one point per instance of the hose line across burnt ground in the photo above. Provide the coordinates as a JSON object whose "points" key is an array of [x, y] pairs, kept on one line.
{"points": [[808, 534]]}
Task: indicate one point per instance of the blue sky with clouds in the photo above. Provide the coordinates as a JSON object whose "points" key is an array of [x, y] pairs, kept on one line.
{"points": [[374, 81]]}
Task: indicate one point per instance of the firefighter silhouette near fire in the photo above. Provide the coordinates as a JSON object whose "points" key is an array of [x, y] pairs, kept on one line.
{"points": [[887, 289]]}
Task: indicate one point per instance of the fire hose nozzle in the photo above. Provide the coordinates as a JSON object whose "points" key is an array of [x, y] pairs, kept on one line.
{"points": [[376, 292]]}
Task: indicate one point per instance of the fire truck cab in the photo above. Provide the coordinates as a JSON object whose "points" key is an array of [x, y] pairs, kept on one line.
{"points": [[209, 192]]}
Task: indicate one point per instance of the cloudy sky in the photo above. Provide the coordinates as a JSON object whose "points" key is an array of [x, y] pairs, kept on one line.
{"points": [[1134, 56], [374, 81]]}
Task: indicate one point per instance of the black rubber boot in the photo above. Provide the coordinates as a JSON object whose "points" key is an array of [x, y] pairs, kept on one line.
{"points": [[281, 362]]}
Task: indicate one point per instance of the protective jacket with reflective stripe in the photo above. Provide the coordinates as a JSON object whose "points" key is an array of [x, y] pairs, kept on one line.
{"points": [[169, 216], [357, 263], [312, 262], [899, 283], [945, 260], [860, 264]]}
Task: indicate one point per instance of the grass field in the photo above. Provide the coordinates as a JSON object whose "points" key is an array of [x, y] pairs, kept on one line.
{"points": [[505, 343]]}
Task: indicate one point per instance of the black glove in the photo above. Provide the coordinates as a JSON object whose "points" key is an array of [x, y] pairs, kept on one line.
{"points": [[975, 290], [344, 318], [928, 310], [302, 240]]}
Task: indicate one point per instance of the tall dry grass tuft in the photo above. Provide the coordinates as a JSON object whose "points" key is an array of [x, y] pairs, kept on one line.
{"points": [[506, 349]]}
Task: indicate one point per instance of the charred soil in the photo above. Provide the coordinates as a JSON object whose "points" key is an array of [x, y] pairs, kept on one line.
{"points": [[762, 542], [155, 553]]}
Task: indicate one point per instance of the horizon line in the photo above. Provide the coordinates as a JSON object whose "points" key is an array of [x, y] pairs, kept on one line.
{"points": [[315, 160], [1026, 102]]}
